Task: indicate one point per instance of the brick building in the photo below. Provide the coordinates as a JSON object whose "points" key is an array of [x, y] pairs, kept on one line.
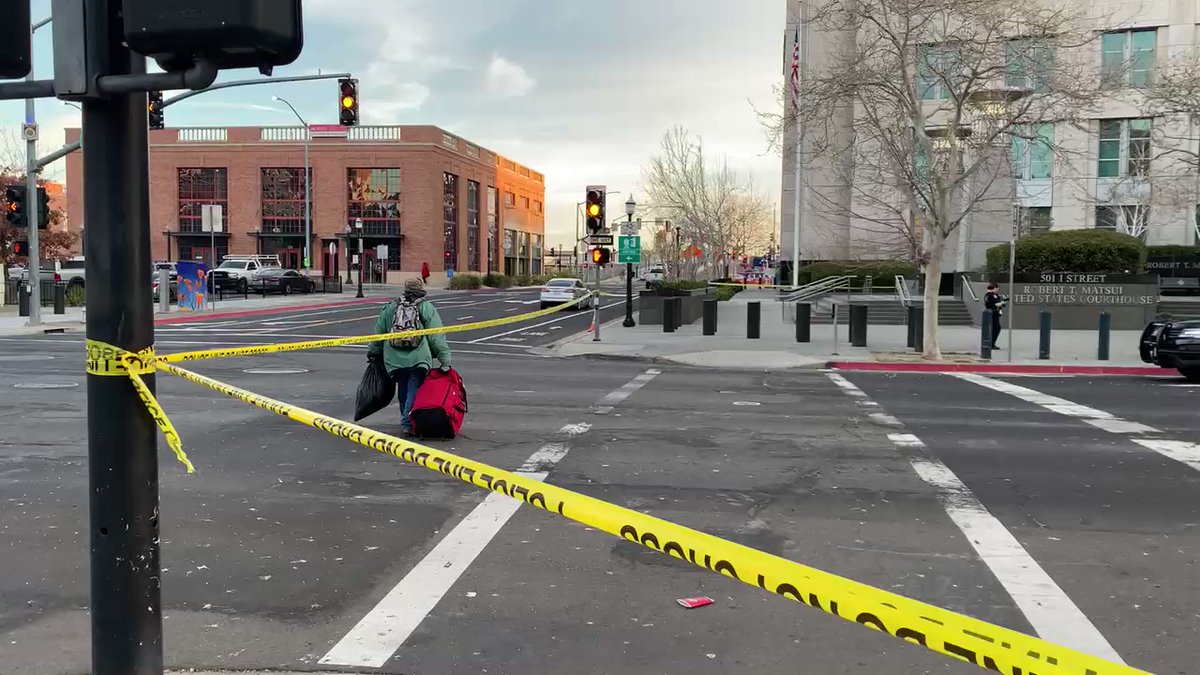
{"points": [[424, 194]]}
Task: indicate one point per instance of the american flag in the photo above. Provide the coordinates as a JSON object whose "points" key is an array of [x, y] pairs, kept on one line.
{"points": [[796, 68]]}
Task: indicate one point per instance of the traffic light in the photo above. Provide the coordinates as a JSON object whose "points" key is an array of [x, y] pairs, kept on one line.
{"points": [[154, 110], [15, 45], [594, 208], [601, 256], [43, 208], [21, 248], [14, 206], [348, 102]]}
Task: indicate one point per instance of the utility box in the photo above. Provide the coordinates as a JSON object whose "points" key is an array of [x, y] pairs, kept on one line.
{"points": [[229, 33]]}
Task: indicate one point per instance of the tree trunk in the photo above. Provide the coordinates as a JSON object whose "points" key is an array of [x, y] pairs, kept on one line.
{"points": [[933, 281]]}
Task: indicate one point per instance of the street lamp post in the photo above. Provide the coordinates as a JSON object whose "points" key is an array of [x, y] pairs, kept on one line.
{"points": [[307, 186], [358, 227], [630, 207]]}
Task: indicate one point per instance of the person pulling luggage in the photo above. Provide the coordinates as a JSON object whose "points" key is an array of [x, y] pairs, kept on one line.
{"points": [[409, 359]]}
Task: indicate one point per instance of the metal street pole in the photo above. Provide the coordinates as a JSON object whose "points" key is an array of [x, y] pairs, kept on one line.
{"points": [[32, 204], [596, 307], [358, 226], [126, 609], [307, 185], [630, 207]]}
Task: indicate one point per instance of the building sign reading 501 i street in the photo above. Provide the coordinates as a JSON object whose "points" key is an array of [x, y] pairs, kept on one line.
{"points": [[1095, 290]]}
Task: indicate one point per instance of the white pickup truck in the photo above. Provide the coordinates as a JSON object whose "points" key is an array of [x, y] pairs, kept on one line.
{"points": [[654, 273]]}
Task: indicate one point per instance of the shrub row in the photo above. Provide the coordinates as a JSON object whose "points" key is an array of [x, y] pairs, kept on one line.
{"points": [[883, 273], [1084, 251]]}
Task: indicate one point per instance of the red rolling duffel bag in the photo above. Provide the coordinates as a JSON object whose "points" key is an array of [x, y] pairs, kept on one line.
{"points": [[440, 405]]}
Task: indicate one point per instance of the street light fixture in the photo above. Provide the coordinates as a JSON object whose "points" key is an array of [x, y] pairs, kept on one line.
{"points": [[630, 207], [307, 185], [358, 228]]}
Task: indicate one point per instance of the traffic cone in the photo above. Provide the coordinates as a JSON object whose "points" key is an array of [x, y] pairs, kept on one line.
{"points": [[592, 326]]}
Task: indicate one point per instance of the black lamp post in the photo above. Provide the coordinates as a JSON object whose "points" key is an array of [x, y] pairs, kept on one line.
{"points": [[358, 225], [630, 207]]}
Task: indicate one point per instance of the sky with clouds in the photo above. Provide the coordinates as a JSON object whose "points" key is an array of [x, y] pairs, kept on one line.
{"points": [[581, 91]]}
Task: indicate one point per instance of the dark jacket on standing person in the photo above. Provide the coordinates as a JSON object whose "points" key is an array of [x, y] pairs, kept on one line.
{"points": [[995, 302], [421, 356]]}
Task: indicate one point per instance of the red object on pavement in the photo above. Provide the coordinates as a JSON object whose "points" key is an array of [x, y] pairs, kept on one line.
{"points": [[692, 603], [1016, 368], [440, 405]]}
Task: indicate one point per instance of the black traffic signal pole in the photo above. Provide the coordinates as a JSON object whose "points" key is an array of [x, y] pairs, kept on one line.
{"points": [[126, 607]]}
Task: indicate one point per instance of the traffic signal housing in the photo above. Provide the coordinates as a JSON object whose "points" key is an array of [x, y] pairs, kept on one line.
{"points": [[15, 41], [43, 208], [15, 206], [594, 208], [348, 102], [601, 256], [20, 248], [154, 110]]}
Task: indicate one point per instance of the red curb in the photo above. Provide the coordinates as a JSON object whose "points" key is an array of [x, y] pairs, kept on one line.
{"points": [[996, 368], [209, 316]]}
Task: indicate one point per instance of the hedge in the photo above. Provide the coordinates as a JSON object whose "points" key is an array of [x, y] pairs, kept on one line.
{"points": [[678, 285], [465, 282], [1173, 251], [1088, 251], [883, 273], [495, 280]]}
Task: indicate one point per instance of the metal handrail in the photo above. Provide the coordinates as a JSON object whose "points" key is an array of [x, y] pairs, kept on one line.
{"points": [[817, 288], [967, 285], [902, 294]]}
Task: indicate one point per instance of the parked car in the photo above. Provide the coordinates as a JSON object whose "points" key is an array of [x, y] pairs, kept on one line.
{"points": [[279, 280], [242, 271], [653, 274], [1173, 344], [558, 291], [172, 285]]}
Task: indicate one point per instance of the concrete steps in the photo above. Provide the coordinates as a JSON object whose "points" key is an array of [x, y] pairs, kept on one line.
{"points": [[951, 312]]}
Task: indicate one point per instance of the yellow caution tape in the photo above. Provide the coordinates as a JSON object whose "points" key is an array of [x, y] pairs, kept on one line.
{"points": [[983, 644], [108, 361], [228, 352]]}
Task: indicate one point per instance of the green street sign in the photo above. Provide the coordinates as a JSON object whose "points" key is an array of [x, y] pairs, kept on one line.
{"points": [[629, 249]]}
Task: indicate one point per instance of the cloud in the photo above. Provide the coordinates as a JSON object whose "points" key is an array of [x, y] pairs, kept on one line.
{"points": [[507, 79]]}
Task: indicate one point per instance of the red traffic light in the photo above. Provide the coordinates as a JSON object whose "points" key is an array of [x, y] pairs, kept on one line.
{"points": [[21, 248]]}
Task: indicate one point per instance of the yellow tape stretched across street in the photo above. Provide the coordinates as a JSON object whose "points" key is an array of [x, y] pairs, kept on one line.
{"points": [[228, 352], [108, 361], [987, 645]]}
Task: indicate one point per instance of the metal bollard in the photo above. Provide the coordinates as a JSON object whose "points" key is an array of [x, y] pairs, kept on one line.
{"points": [[710, 317], [164, 290], [858, 325], [60, 298], [668, 315], [917, 321], [1043, 335], [985, 337], [803, 322], [23, 299], [753, 320], [678, 312], [1105, 335]]}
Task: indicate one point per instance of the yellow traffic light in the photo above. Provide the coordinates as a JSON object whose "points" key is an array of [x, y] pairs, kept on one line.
{"points": [[347, 101], [593, 210]]}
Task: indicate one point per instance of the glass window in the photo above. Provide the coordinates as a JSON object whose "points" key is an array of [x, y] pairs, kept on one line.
{"points": [[373, 195], [510, 199], [197, 187], [1127, 58], [1139, 147], [450, 219], [525, 203], [1131, 219], [1033, 151], [537, 206], [1110, 149], [283, 199], [492, 226], [473, 262], [1035, 220], [936, 65], [1027, 65], [1141, 57]]}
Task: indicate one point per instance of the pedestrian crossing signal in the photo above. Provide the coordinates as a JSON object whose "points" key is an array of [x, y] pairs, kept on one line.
{"points": [[601, 256], [154, 110]]}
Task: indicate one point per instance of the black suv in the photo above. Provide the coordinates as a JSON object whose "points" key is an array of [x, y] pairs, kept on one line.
{"points": [[1173, 344]]}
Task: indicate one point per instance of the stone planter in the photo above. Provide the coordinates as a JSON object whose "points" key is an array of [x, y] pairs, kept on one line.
{"points": [[650, 304]]}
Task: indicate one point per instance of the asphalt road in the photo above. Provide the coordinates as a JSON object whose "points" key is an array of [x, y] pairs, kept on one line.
{"points": [[293, 550]]}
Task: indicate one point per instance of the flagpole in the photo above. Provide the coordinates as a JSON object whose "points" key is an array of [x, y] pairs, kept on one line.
{"points": [[796, 135]]}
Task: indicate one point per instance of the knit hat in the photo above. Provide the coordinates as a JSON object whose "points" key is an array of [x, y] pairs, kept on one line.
{"points": [[414, 284]]}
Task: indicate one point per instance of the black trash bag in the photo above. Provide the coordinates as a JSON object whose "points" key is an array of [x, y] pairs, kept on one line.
{"points": [[375, 391]]}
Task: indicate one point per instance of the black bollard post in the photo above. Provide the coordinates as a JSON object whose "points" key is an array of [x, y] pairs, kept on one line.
{"points": [[910, 321], [753, 320], [858, 325], [917, 321], [678, 312], [1044, 335], [23, 299], [710, 317], [803, 322], [60, 298], [668, 315], [1105, 329], [985, 337]]}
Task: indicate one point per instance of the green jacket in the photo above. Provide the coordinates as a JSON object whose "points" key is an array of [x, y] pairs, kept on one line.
{"points": [[420, 356]]}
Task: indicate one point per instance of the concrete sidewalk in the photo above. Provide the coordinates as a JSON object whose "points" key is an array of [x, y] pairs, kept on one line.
{"points": [[777, 347]]}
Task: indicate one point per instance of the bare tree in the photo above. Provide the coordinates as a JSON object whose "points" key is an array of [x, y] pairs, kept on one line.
{"points": [[713, 207], [915, 103]]}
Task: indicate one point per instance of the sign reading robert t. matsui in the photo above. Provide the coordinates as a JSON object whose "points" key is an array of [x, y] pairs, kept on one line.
{"points": [[1067, 288]]}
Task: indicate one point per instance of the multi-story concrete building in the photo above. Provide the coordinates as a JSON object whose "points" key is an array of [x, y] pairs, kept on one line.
{"points": [[423, 194], [1125, 167]]}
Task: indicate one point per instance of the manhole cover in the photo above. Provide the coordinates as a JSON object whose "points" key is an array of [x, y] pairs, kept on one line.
{"points": [[30, 357], [746, 403], [275, 371], [45, 385]]}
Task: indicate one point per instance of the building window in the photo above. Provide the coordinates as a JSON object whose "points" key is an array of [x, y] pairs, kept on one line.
{"points": [[191, 252], [473, 226], [1035, 220], [510, 199], [537, 206], [935, 67], [1127, 58], [525, 203], [283, 201], [537, 254], [1126, 219], [373, 195], [1027, 65], [1033, 151], [198, 187], [492, 226], [450, 219], [1124, 148]]}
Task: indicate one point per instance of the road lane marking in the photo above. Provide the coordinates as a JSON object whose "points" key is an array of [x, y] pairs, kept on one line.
{"points": [[1181, 451], [1051, 613], [606, 404], [544, 323]]}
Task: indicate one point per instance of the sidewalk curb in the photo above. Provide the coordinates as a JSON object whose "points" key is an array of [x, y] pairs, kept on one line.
{"points": [[1016, 369], [261, 311]]}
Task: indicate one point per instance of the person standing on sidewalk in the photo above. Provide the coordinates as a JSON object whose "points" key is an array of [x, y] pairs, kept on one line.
{"points": [[409, 359], [995, 302], [425, 273]]}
